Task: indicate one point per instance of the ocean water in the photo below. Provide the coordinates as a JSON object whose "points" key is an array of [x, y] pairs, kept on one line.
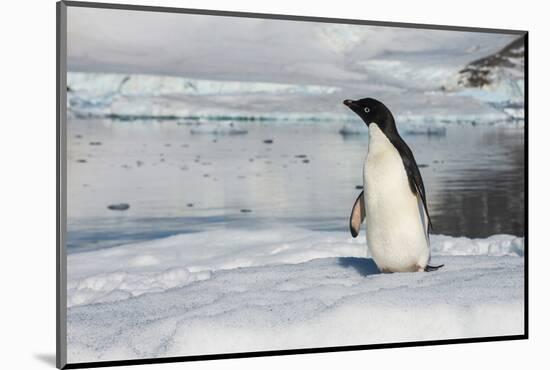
{"points": [[182, 177]]}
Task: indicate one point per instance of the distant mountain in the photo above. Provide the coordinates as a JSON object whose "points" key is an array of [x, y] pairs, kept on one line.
{"points": [[497, 80], [506, 63]]}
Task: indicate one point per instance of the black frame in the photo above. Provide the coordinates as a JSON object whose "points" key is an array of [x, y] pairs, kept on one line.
{"points": [[61, 118]]}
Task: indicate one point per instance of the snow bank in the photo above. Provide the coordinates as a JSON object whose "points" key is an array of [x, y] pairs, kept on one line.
{"points": [[252, 290], [323, 302], [134, 269], [496, 245]]}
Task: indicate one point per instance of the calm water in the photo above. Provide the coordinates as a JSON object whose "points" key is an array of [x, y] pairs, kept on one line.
{"points": [[306, 175]]}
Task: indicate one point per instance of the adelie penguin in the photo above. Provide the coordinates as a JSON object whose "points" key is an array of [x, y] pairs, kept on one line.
{"points": [[393, 200]]}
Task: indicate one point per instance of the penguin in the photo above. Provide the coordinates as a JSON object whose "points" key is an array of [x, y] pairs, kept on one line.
{"points": [[393, 200]]}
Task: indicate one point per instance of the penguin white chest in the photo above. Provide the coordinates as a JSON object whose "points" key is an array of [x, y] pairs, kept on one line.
{"points": [[396, 234]]}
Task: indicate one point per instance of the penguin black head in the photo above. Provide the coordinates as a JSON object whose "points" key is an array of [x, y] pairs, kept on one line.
{"points": [[371, 110]]}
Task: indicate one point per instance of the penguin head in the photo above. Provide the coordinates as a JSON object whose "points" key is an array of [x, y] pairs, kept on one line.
{"points": [[371, 110]]}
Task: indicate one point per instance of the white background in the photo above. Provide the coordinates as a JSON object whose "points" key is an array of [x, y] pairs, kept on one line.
{"points": [[27, 169]]}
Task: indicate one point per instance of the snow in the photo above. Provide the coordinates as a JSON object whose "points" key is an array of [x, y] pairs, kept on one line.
{"points": [[249, 290]]}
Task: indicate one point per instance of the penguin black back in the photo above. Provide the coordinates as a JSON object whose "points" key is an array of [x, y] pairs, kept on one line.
{"points": [[373, 111]]}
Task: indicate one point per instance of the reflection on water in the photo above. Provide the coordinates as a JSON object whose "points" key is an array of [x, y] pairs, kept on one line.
{"points": [[480, 188], [304, 175]]}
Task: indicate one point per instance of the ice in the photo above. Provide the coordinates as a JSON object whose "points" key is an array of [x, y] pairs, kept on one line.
{"points": [[245, 290], [217, 128], [425, 130], [138, 96], [153, 85]]}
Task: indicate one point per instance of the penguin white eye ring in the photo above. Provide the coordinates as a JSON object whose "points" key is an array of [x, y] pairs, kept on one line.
{"points": [[367, 110]]}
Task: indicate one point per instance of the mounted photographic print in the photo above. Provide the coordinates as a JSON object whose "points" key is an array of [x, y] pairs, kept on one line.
{"points": [[236, 184]]}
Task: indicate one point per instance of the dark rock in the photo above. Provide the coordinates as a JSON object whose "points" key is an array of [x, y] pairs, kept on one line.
{"points": [[268, 141], [95, 143], [189, 205], [119, 207], [300, 156], [358, 187], [245, 210], [422, 165], [81, 160], [305, 160]]}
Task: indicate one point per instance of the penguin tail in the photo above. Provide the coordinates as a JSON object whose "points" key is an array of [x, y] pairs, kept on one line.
{"points": [[430, 268]]}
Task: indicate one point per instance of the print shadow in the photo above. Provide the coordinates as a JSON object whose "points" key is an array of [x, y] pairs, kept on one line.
{"points": [[364, 266], [46, 358]]}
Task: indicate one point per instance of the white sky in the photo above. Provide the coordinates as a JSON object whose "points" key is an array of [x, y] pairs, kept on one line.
{"points": [[230, 48]]}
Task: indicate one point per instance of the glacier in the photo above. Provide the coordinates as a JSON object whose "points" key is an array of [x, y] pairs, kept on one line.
{"points": [[131, 97]]}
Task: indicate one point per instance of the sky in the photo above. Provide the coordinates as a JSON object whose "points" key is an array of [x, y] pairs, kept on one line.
{"points": [[246, 49]]}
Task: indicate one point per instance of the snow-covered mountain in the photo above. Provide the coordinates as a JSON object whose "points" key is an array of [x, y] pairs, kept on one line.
{"points": [[507, 63], [497, 79]]}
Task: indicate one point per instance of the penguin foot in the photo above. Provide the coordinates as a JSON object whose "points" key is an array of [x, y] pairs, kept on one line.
{"points": [[429, 268]]}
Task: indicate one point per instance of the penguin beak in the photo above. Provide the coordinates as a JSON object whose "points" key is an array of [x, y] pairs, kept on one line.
{"points": [[348, 102]]}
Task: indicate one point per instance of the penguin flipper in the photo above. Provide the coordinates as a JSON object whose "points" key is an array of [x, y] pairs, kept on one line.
{"points": [[357, 215], [423, 216], [413, 173]]}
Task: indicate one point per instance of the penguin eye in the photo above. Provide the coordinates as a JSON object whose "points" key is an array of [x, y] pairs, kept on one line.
{"points": [[367, 110]]}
